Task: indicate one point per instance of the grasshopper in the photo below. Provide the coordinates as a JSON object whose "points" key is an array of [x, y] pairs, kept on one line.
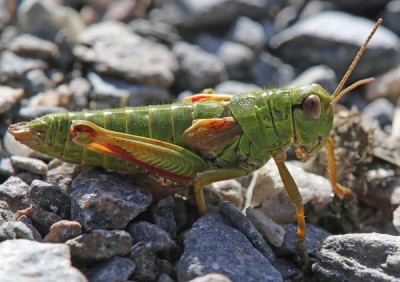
{"points": [[209, 137]]}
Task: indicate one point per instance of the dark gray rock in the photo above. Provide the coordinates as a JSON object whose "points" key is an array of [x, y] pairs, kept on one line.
{"points": [[24, 229], [30, 164], [201, 14], [208, 70], [115, 269], [163, 33], [42, 219], [145, 260], [213, 246], [271, 72], [161, 242], [314, 239], [62, 231], [114, 91], [327, 39], [127, 55], [163, 215], [249, 33], [235, 56], [100, 245], [32, 46], [5, 212], [368, 6], [36, 81], [240, 221], [288, 270], [61, 174], [25, 260], [378, 113], [14, 192], [7, 231], [50, 197], [105, 200], [359, 257]]}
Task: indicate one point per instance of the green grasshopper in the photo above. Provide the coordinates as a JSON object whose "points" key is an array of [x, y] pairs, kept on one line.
{"points": [[209, 137]]}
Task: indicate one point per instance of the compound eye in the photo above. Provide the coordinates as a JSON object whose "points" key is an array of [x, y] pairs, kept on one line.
{"points": [[312, 106]]}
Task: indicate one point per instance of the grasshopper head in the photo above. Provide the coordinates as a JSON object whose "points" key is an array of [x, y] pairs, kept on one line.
{"points": [[312, 118], [32, 134]]}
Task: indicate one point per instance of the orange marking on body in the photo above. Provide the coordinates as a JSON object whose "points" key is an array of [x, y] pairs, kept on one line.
{"points": [[219, 124], [82, 128]]}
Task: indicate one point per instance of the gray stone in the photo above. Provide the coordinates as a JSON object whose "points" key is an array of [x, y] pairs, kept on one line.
{"points": [[235, 87], [163, 215], [47, 19], [99, 245], [359, 257], [240, 221], [6, 167], [32, 112], [327, 39], [144, 256], [5, 212], [61, 174], [36, 81], [7, 231], [32, 46], [396, 219], [249, 33], [30, 164], [145, 232], [14, 192], [115, 269], [105, 200], [128, 56], [50, 197], [24, 229], [389, 15], [385, 85], [213, 246], [25, 260], [42, 219], [115, 92], [162, 32], [209, 68]]}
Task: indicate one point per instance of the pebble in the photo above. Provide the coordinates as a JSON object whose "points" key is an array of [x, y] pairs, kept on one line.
{"points": [[229, 190], [272, 232], [396, 218], [163, 215], [240, 221], [100, 245], [24, 229], [161, 242], [7, 231], [209, 69], [42, 219], [114, 269], [235, 87], [144, 257], [32, 112], [6, 167], [249, 33], [389, 15], [32, 46], [62, 231], [14, 192], [29, 164], [378, 113], [227, 252], [162, 32], [62, 174], [44, 262], [336, 44], [107, 201], [271, 197], [9, 97], [50, 197], [340, 258], [5, 212], [386, 86]]}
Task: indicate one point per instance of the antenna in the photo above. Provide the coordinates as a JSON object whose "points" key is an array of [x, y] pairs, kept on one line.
{"points": [[338, 92]]}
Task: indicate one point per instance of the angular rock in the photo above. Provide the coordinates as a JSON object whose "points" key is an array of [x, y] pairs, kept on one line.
{"points": [[62, 231], [50, 197], [272, 232], [42, 219], [30, 164], [144, 256], [115, 269], [7, 231], [14, 192], [213, 246], [24, 229], [127, 55], [25, 260], [62, 174], [327, 39], [107, 201], [359, 257], [161, 242], [100, 245], [5, 212], [270, 195], [239, 220], [209, 68], [163, 215]]}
